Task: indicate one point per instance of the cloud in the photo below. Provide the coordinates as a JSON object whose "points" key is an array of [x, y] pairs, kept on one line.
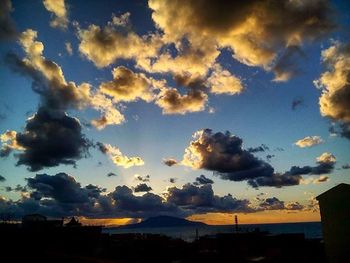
{"points": [[346, 166], [201, 180], [7, 27], [325, 165], [274, 203], [195, 99], [169, 162], [322, 179], [269, 157], [59, 12], [141, 206], [118, 158], [104, 46], [69, 48], [142, 178], [326, 158], [261, 148], [61, 195], [40, 144], [223, 154], [172, 102], [201, 199], [122, 20], [276, 180], [17, 188], [285, 67], [334, 101], [221, 81], [2, 179], [9, 143], [309, 141], [42, 140], [297, 102], [259, 33], [111, 174], [49, 82], [195, 60], [128, 86], [60, 187], [142, 188], [172, 180]]}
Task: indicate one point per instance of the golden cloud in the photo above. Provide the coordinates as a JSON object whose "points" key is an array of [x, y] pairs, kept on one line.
{"points": [[221, 81], [59, 93], [309, 141], [172, 102], [256, 31], [59, 10], [119, 159], [335, 99], [103, 46], [128, 86]]}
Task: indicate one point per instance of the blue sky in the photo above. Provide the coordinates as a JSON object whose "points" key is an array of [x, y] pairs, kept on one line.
{"points": [[260, 114]]}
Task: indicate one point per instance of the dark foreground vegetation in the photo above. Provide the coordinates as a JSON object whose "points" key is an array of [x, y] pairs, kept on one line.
{"points": [[50, 243]]}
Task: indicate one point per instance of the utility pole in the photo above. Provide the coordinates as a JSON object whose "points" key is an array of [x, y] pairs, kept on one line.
{"points": [[236, 223]]}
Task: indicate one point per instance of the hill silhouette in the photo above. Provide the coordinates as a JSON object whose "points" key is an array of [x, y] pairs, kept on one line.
{"points": [[164, 221]]}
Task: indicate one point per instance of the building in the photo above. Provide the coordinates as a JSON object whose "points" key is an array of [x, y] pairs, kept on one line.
{"points": [[335, 216], [38, 221]]}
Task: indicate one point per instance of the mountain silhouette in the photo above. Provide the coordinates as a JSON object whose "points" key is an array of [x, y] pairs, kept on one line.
{"points": [[164, 221]]}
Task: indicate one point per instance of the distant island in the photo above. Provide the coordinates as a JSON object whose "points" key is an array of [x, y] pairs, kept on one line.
{"points": [[164, 221]]}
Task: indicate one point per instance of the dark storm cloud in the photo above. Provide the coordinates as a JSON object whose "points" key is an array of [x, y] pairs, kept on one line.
{"points": [[2, 179], [320, 168], [223, 154], [142, 188], [325, 164], [201, 199], [276, 180], [60, 187], [297, 102], [7, 27], [50, 139], [61, 195], [274, 203], [261, 148], [141, 206], [203, 180]]}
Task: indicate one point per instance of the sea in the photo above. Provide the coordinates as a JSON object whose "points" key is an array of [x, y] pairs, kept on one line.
{"points": [[311, 230]]}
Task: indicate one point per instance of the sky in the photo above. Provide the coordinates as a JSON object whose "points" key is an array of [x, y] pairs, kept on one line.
{"points": [[115, 111]]}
